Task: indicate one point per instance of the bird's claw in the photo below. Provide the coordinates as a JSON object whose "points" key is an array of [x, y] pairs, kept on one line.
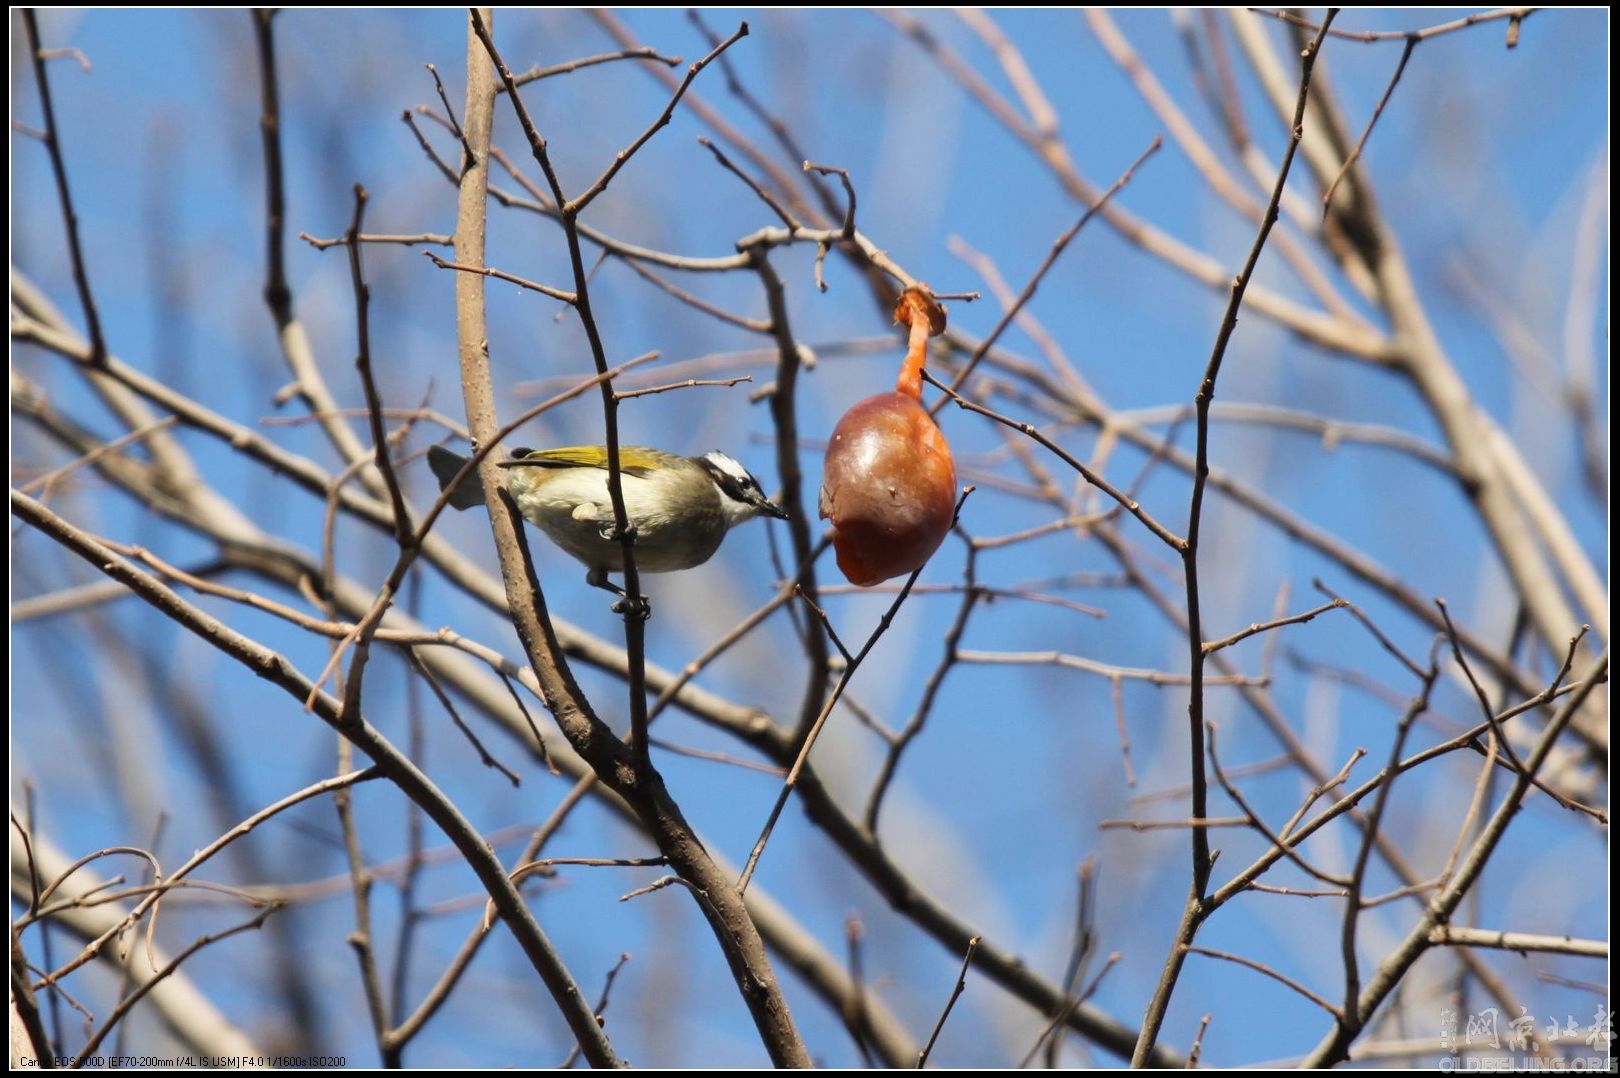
{"points": [[639, 607]]}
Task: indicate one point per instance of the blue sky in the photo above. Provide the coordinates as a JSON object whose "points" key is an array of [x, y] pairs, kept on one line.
{"points": [[1482, 164]]}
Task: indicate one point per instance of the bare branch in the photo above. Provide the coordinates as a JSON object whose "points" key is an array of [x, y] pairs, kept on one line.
{"points": [[1276, 623], [572, 207], [1522, 942], [1383, 980], [1515, 16], [1355, 155], [628, 773], [1189, 549], [435, 239], [1261, 967], [956, 993], [53, 143], [826, 710], [601, 1006], [534, 74], [502, 275], [1130, 505], [1058, 246]]}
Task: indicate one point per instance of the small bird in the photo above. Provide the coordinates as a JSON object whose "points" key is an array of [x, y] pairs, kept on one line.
{"points": [[679, 508]]}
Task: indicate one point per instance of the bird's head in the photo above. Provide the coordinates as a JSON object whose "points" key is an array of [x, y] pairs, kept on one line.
{"points": [[740, 495]]}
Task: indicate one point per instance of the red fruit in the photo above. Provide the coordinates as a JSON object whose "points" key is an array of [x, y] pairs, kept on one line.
{"points": [[888, 483]]}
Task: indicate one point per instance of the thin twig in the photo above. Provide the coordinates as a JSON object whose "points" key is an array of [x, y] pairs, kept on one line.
{"points": [[1091, 666], [449, 706], [971, 595], [436, 239], [1261, 967], [501, 275], [53, 144], [790, 359], [956, 992], [76, 55], [1051, 258], [1479, 693], [534, 74], [86, 1053], [1195, 911], [753, 325], [44, 483], [1131, 505], [689, 383], [572, 207], [1378, 634], [1171, 825], [848, 228], [855, 1019], [450, 114], [1276, 623], [821, 720], [362, 363], [534, 729], [1336, 1043], [1361, 144], [1514, 15], [1080, 953], [1358, 874], [634, 605], [601, 1007], [1259, 824], [760, 193], [1198, 1043]]}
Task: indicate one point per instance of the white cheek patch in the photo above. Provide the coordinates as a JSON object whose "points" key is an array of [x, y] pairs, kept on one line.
{"points": [[736, 512]]}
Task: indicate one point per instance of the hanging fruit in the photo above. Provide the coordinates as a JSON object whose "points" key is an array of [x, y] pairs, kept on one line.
{"points": [[888, 483]]}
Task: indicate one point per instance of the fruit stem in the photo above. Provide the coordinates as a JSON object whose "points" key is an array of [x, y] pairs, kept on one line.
{"points": [[918, 310], [910, 380]]}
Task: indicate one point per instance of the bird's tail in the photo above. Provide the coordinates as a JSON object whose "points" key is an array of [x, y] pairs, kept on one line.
{"points": [[445, 464]]}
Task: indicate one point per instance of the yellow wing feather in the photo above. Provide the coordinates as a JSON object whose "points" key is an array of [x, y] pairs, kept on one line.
{"points": [[634, 459]]}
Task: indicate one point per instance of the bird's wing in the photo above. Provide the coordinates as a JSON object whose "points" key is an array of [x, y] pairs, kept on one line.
{"points": [[446, 466], [633, 460]]}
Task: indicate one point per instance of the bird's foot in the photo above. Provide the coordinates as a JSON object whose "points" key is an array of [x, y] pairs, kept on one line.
{"points": [[640, 607], [612, 534]]}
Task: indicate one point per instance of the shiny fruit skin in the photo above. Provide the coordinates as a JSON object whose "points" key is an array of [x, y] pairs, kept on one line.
{"points": [[889, 488]]}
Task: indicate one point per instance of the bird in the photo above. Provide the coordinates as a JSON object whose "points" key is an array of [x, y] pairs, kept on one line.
{"points": [[678, 508]]}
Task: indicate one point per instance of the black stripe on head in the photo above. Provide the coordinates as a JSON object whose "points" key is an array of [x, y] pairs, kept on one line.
{"points": [[732, 478]]}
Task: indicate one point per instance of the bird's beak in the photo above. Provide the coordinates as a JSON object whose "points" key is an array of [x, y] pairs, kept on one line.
{"points": [[771, 509]]}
